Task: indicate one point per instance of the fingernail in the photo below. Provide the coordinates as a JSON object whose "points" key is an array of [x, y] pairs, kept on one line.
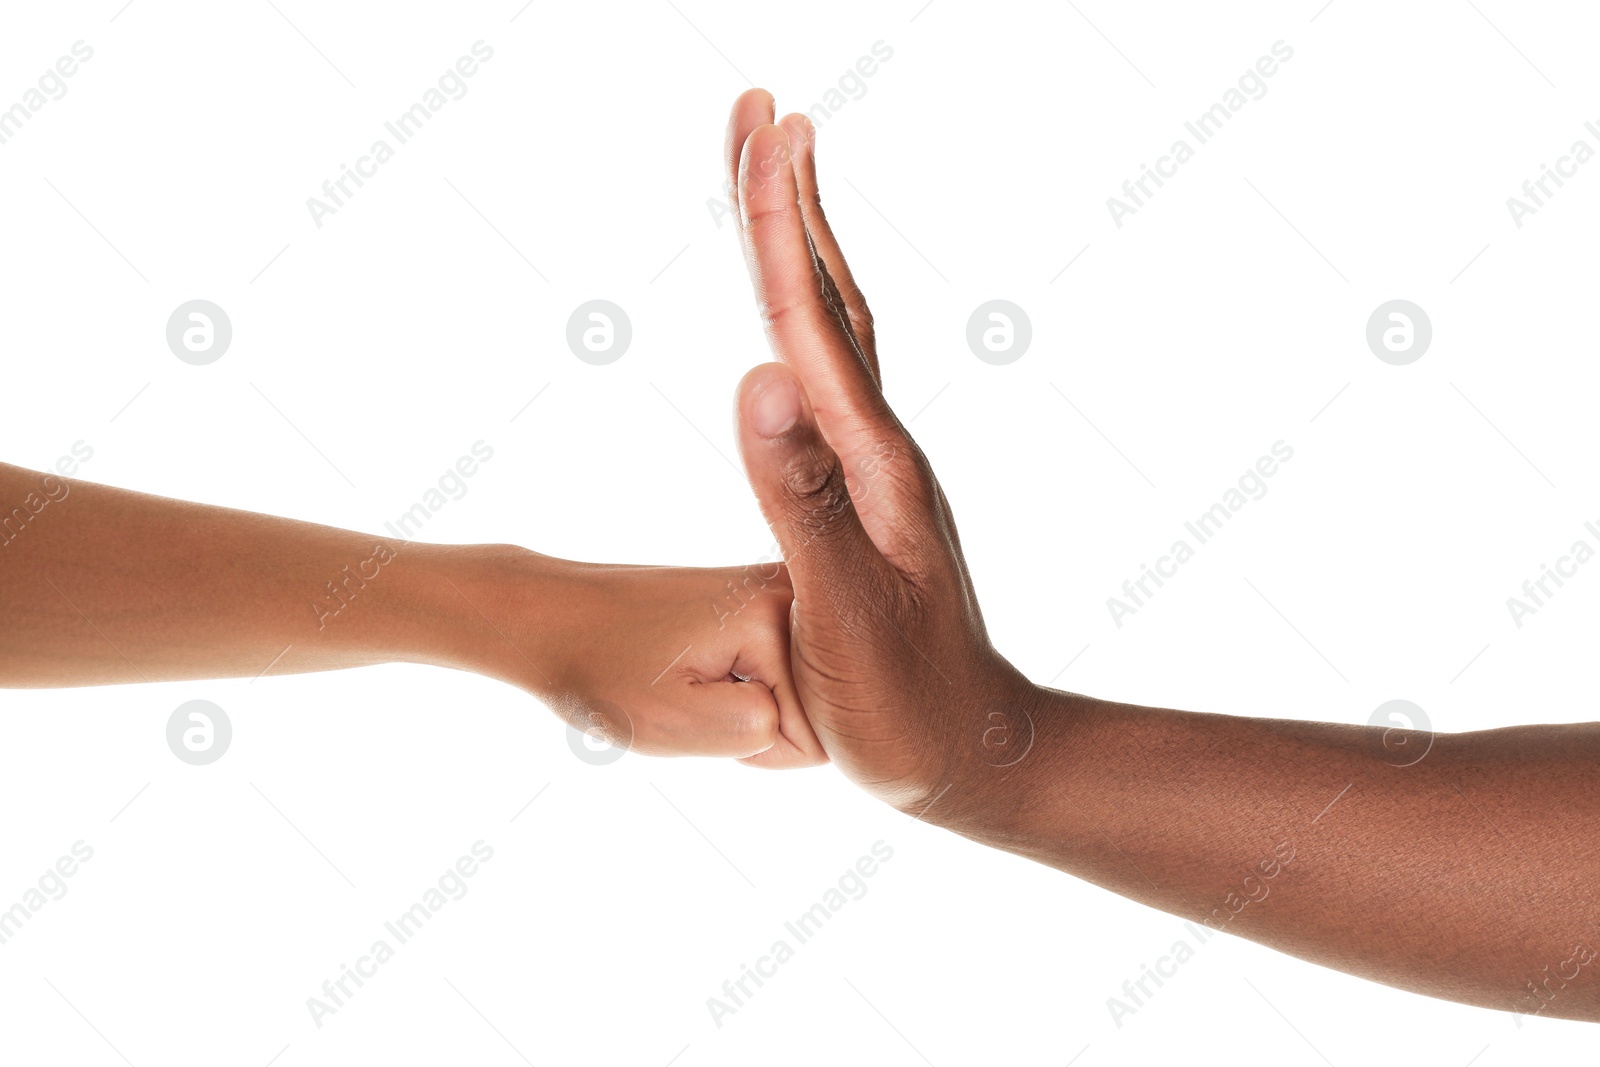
{"points": [[776, 408]]}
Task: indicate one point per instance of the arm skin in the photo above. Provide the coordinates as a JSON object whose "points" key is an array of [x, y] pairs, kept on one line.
{"points": [[101, 586], [1462, 867], [1469, 875]]}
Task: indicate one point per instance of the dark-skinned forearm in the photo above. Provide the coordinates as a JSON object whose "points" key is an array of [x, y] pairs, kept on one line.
{"points": [[1468, 873]]}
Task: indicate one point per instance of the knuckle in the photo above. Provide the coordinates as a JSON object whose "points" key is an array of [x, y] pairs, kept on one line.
{"points": [[773, 317], [860, 313], [818, 490], [763, 213], [884, 461]]}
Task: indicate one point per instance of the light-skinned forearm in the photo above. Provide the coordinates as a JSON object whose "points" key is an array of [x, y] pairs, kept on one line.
{"points": [[101, 585], [1460, 866]]}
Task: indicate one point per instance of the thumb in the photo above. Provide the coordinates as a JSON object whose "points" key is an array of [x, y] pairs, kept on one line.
{"points": [[738, 719], [803, 492]]}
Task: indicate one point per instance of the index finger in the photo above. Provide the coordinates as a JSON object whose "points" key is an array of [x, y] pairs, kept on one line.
{"points": [[807, 324], [753, 108]]}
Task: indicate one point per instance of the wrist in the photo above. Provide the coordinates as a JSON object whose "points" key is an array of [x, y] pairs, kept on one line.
{"points": [[477, 606], [1001, 778]]}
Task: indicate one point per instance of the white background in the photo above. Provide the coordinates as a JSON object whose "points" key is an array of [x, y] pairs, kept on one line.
{"points": [[1226, 315]]}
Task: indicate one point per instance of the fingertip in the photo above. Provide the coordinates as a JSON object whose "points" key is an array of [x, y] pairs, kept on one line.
{"points": [[764, 167], [774, 408], [771, 402], [760, 374], [754, 99], [766, 137], [801, 132], [757, 380], [752, 108]]}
